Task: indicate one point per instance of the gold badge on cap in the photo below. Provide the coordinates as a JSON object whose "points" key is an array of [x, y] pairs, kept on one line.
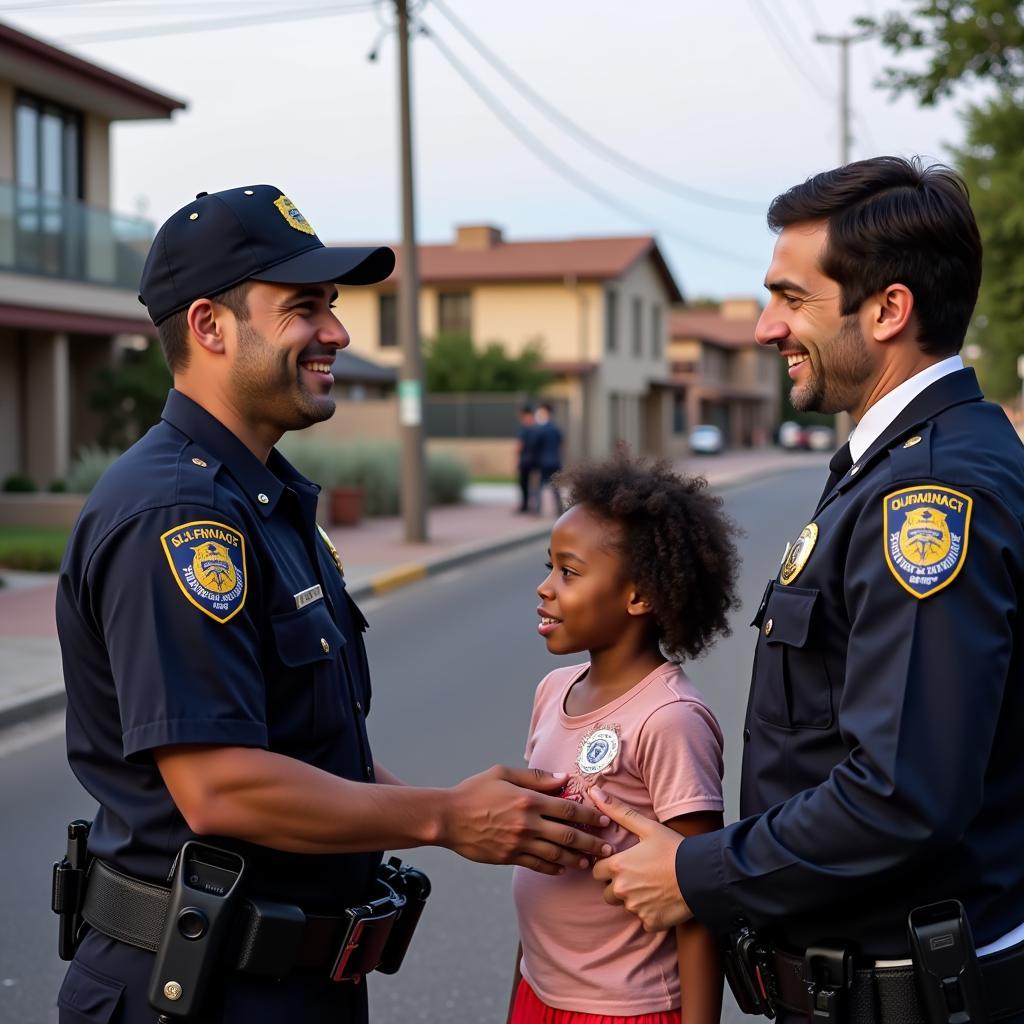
{"points": [[796, 557], [290, 212]]}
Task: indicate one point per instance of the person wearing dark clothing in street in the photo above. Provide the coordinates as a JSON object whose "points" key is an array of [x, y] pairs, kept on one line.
{"points": [[548, 454], [526, 456], [882, 781]]}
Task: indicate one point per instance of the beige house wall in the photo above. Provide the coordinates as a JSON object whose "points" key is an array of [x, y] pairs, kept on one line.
{"points": [[48, 441]]}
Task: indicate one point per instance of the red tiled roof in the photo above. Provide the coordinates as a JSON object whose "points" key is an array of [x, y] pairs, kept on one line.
{"points": [[583, 258], [710, 325]]}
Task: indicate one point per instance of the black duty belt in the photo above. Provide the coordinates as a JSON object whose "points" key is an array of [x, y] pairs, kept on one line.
{"points": [[888, 994], [270, 938]]}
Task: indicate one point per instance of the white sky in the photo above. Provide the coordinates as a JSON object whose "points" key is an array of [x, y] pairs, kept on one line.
{"points": [[702, 93]]}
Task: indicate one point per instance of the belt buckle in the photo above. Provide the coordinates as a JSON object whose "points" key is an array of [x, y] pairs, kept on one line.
{"points": [[828, 974], [366, 935]]}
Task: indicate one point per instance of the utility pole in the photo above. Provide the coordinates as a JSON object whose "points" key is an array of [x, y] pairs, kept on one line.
{"points": [[410, 382], [844, 423]]}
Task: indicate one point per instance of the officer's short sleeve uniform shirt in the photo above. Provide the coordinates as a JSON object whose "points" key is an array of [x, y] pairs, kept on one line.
{"points": [[882, 766], [198, 604]]}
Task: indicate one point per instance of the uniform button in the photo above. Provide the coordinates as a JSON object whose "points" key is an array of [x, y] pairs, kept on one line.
{"points": [[369, 772], [910, 442], [262, 498], [359, 706], [854, 470], [746, 735], [325, 645], [199, 462], [768, 627]]}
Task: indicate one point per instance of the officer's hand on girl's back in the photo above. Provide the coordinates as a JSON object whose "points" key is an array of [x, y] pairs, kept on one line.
{"points": [[505, 816]]}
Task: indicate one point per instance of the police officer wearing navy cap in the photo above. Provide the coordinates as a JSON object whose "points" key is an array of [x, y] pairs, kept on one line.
{"points": [[216, 675], [883, 782]]}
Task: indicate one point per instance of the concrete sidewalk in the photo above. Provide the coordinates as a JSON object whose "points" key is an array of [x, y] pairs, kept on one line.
{"points": [[376, 559]]}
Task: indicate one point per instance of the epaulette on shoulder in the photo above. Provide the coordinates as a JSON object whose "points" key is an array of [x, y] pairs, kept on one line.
{"points": [[196, 472], [911, 455]]}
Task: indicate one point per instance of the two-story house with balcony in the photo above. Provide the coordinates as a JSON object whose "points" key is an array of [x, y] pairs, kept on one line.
{"points": [[722, 375], [598, 308], [69, 267]]}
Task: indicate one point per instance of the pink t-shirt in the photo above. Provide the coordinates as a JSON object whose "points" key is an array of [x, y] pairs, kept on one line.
{"points": [[658, 748]]}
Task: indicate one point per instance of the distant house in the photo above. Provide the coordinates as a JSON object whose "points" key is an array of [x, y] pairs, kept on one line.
{"points": [[599, 308], [722, 376], [69, 267]]}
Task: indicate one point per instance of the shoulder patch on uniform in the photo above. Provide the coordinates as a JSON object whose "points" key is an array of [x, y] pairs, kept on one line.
{"points": [[925, 530], [207, 560]]}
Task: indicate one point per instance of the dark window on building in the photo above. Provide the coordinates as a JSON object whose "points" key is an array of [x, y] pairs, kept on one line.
{"points": [[48, 147], [453, 314], [638, 327], [387, 327], [611, 320], [656, 331]]}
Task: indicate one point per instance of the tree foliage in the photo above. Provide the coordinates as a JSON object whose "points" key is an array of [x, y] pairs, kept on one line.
{"points": [[130, 396], [969, 42], [453, 363], [962, 40]]}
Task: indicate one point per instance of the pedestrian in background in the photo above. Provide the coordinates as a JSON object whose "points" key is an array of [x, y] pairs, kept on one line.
{"points": [[641, 575], [526, 456], [548, 440], [217, 680], [882, 780]]}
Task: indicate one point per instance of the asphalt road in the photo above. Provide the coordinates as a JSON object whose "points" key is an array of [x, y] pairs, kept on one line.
{"points": [[455, 661]]}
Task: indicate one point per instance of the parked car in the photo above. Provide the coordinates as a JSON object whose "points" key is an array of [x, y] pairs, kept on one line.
{"points": [[820, 439], [706, 439], [797, 437], [791, 435]]}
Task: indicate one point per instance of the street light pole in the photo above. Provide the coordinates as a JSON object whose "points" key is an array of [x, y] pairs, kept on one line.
{"points": [[410, 383]]}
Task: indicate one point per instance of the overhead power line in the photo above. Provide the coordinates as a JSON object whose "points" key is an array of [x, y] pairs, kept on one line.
{"points": [[569, 173], [805, 66], [213, 24], [596, 145]]}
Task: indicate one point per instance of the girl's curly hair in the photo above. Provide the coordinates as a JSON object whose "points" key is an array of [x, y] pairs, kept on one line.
{"points": [[676, 544]]}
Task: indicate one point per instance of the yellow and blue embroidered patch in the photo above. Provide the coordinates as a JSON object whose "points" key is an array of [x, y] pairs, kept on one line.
{"points": [[207, 560], [925, 532], [290, 212]]}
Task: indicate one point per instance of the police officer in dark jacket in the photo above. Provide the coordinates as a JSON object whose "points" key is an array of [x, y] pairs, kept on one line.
{"points": [[216, 676], [882, 769]]}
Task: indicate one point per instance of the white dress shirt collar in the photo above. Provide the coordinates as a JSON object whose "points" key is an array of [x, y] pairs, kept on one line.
{"points": [[889, 406]]}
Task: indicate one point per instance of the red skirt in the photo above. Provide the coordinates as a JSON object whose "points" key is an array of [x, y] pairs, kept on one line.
{"points": [[528, 1009]]}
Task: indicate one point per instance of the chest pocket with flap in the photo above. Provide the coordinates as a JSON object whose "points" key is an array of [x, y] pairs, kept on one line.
{"points": [[309, 643], [791, 683]]}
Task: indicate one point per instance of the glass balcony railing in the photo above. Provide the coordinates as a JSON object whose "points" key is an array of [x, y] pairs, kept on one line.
{"points": [[58, 237]]}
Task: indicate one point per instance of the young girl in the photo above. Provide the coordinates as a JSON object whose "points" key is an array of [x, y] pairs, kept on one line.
{"points": [[642, 574]]}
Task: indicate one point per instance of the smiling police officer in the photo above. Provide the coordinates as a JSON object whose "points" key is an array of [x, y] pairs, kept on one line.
{"points": [[882, 779], [216, 675]]}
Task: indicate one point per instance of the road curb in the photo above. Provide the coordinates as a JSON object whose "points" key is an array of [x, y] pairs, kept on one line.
{"points": [[16, 712]]}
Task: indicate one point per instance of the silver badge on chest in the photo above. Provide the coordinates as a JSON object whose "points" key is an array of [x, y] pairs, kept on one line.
{"points": [[597, 751]]}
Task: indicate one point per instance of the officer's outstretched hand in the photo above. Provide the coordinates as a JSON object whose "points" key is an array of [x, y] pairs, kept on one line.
{"points": [[505, 816], [642, 878]]}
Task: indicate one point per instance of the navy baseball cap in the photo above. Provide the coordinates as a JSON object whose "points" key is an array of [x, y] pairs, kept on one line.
{"points": [[253, 233]]}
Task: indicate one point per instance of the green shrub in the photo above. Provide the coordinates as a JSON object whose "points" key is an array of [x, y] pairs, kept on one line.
{"points": [[91, 464], [447, 477], [375, 466], [19, 483], [32, 548], [57, 487]]}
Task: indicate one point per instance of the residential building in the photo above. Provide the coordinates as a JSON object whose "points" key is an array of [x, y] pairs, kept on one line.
{"points": [[69, 266], [722, 375], [598, 308]]}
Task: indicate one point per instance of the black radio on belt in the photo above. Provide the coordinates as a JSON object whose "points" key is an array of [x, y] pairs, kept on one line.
{"points": [[946, 964], [204, 896]]}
